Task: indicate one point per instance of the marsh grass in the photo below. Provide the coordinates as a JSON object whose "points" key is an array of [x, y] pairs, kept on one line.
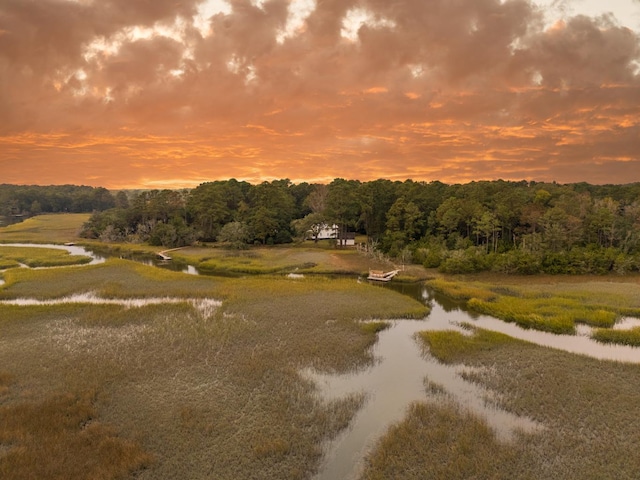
{"points": [[557, 308], [449, 346], [588, 408], [219, 394], [406, 278], [462, 290], [620, 337], [243, 265], [214, 394], [6, 263], [38, 257], [374, 327], [56, 228], [443, 442], [306, 259], [521, 311], [629, 312], [6, 379], [114, 278], [60, 438], [565, 393], [122, 249]]}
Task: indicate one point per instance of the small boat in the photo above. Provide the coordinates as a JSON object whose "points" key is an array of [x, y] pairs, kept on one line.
{"points": [[381, 276]]}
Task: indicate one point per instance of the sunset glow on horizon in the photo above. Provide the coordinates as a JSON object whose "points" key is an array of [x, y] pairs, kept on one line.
{"points": [[170, 94]]}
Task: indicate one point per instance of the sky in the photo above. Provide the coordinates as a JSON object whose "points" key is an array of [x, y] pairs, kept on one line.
{"points": [[174, 93]]}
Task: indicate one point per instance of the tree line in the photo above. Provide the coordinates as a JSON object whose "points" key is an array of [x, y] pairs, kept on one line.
{"points": [[513, 227], [28, 200]]}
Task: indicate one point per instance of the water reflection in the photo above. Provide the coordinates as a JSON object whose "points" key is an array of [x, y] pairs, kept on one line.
{"points": [[72, 249], [627, 323], [394, 382]]}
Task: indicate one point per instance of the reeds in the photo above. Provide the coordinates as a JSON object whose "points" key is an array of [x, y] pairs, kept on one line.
{"points": [[114, 278], [561, 391], [215, 395], [537, 308], [462, 290], [443, 442], [374, 327], [449, 346], [60, 438], [629, 337], [38, 257]]}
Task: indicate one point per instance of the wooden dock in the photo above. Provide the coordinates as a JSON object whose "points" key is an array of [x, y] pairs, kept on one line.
{"points": [[381, 276]]}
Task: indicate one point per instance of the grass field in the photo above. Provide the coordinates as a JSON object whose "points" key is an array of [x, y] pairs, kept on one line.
{"points": [[38, 257], [219, 393], [167, 391], [175, 391], [59, 228], [551, 306]]}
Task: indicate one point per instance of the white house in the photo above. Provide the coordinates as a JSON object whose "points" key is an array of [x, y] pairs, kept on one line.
{"points": [[327, 232]]}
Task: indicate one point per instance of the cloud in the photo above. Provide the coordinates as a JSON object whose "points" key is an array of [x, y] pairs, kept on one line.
{"points": [[313, 90]]}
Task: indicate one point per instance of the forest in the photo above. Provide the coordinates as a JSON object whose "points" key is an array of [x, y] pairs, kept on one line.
{"points": [[520, 227], [27, 200]]}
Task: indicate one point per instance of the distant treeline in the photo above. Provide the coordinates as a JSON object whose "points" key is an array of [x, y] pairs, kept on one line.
{"points": [[515, 227], [27, 200]]}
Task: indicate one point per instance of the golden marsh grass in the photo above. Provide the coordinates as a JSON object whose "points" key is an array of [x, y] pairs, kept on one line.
{"points": [[188, 394], [305, 258], [171, 391], [448, 345], [60, 438], [38, 257], [443, 442], [57, 228], [621, 337], [114, 278], [555, 308]]}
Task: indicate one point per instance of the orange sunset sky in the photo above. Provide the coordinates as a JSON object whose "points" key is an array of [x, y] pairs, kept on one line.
{"points": [[170, 93]]}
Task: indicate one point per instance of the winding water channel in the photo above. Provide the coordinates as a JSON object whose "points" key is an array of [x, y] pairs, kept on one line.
{"points": [[396, 380], [402, 370]]}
